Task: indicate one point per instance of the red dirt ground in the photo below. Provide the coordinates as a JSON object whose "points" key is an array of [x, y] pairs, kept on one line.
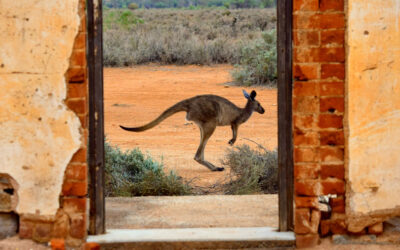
{"points": [[135, 96]]}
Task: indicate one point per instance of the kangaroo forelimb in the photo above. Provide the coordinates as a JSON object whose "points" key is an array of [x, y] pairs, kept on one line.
{"points": [[234, 134]]}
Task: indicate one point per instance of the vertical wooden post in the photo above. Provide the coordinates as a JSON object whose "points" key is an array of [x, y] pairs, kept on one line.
{"points": [[285, 140], [96, 117]]}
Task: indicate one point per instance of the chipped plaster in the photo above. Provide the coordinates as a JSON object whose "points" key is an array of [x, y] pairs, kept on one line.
{"points": [[38, 134], [373, 111]]}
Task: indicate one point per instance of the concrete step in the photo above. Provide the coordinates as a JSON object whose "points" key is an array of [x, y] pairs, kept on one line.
{"points": [[195, 238]]}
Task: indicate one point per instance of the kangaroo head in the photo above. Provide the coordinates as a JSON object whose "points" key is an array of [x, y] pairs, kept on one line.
{"points": [[252, 103]]}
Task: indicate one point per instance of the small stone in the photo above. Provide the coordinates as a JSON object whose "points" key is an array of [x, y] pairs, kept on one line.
{"points": [[376, 228]]}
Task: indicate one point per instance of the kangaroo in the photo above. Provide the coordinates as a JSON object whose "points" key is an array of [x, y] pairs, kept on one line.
{"points": [[208, 112]]}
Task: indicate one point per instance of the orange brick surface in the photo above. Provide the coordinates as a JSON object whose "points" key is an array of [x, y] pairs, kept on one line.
{"points": [[318, 112]]}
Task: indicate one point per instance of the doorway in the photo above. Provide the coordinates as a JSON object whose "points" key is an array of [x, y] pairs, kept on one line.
{"points": [[96, 117]]}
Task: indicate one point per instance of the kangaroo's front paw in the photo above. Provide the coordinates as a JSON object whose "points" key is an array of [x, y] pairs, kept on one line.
{"points": [[219, 169], [231, 142]]}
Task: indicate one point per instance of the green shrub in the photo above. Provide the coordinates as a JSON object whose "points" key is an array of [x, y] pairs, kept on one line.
{"points": [[133, 6], [253, 171], [131, 173], [124, 19], [258, 62]]}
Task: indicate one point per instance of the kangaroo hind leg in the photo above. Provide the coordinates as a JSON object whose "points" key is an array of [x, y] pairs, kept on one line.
{"points": [[206, 130]]}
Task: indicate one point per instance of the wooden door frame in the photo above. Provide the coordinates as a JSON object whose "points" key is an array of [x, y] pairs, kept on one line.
{"points": [[96, 116], [285, 137]]}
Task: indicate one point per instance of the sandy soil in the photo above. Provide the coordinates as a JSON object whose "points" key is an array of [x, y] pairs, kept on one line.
{"points": [[135, 96]]}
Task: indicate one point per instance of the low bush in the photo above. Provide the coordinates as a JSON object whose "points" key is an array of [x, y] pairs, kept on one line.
{"points": [[258, 62], [131, 173], [253, 171]]}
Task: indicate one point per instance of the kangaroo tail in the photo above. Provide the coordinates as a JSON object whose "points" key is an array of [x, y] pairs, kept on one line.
{"points": [[180, 106]]}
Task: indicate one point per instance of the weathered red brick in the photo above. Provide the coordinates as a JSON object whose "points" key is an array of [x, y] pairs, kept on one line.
{"points": [[309, 5], [57, 244], [306, 220], [303, 72], [306, 202], [85, 137], [77, 90], [74, 188], [331, 55], [305, 121], [307, 187], [74, 205], [331, 88], [306, 55], [310, 55], [306, 171], [325, 227], [306, 38], [337, 204], [330, 121], [79, 156], [306, 89], [332, 138], [331, 154], [307, 240], [76, 76], [333, 186], [78, 226], [331, 21], [333, 71], [78, 58], [310, 154], [84, 121], [76, 171], [26, 229], [338, 226], [82, 8], [302, 220], [80, 41], [335, 171], [43, 232], [331, 5], [306, 104], [61, 225], [376, 228], [331, 104], [92, 246], [306, 20], [301, 138], [332, 37], [82, 25], [313, 20], [77, 105]]}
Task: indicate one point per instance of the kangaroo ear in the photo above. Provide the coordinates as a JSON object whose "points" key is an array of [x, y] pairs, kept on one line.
{"points": [[253, 95], [246, 94]]}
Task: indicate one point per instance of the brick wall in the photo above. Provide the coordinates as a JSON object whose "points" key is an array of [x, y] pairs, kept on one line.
{"points": [[318, 109], [70, 222]]}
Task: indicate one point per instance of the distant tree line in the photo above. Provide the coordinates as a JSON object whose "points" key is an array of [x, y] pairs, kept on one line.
{"points": [[193, 4]]}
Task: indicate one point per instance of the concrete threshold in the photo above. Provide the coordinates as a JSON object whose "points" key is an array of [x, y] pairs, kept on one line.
{"points": [[191, 238]]}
